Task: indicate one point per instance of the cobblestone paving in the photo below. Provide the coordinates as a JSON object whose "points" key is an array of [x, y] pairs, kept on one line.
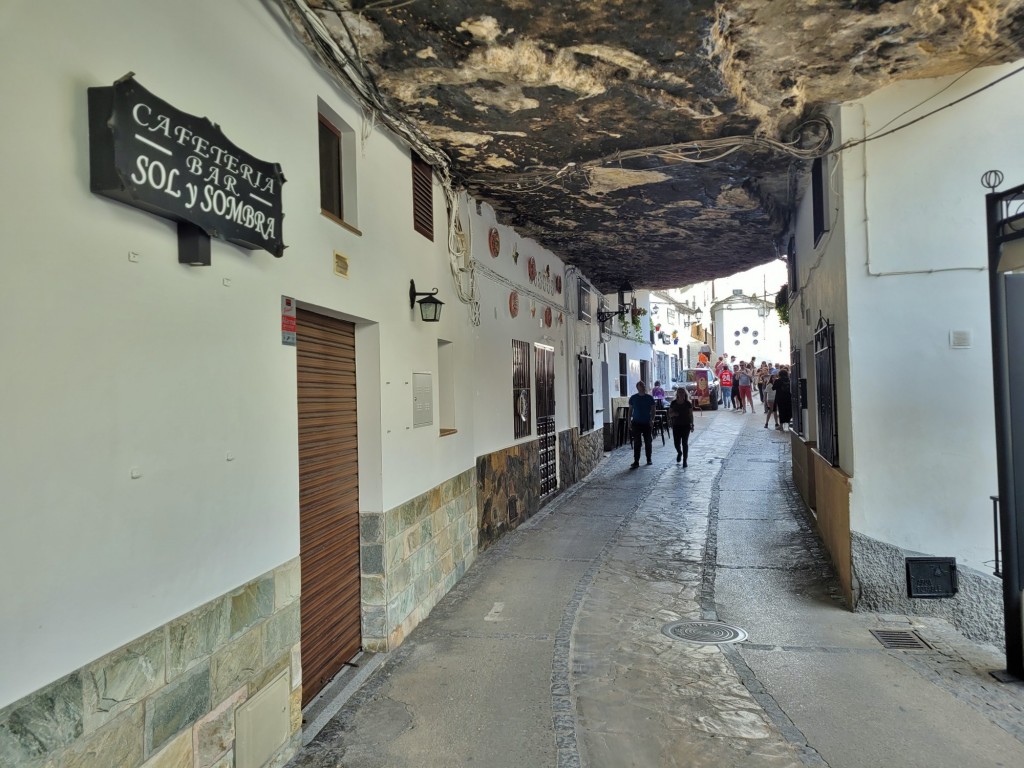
{"points": [[578, 672], [643, 698]]}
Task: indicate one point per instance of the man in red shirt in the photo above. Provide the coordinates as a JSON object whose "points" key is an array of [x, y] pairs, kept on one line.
{"points": [[725, 386]]}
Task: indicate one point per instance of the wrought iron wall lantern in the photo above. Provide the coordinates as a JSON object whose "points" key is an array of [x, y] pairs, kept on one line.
{"points": [[430, 308], [696, 317], [625, 304]]}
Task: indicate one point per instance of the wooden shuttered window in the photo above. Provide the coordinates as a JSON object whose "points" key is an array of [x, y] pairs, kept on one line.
{"points": [[422, 197], [328, 498], [331, 200]]}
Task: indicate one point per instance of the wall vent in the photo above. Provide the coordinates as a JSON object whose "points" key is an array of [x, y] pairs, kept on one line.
{"points": [[340, 265], [960, 340]]}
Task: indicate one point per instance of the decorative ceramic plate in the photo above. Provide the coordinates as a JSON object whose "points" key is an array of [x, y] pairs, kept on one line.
{"points": [[531, 268], [547, 316], [513, 303], [494, 242]]}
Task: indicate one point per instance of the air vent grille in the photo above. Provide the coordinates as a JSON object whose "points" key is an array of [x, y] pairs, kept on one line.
{"points": [[960, 339], [340, 265]]}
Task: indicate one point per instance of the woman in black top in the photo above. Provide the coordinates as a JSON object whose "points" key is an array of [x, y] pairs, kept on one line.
{"points": [[680, 417]]}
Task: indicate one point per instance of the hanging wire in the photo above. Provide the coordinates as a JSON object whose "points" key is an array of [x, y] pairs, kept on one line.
{"points": [[702, 151]]}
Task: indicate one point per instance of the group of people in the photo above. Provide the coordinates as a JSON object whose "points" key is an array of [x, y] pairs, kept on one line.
{"points": [[738, 379]]}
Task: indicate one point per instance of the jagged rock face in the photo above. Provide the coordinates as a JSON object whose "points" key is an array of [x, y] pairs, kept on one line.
{"points": [[553, 111]]}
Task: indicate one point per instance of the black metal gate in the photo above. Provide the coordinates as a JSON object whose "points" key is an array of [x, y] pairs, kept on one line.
{"points": [[585, 382], [825, 382], [546, 419], [522, 421], [1005, 220], [796, 375]]}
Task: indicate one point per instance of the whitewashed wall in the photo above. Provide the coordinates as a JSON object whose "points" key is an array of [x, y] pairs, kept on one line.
{"points": [[926, 461], [111, 365], [822, 276], [491, 374]]}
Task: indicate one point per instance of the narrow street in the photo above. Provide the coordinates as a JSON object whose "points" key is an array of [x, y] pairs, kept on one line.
{"points": [[551, 650]]}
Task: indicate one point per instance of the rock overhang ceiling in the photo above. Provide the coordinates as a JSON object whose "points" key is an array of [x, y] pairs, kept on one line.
{"points": [[661, 142]]}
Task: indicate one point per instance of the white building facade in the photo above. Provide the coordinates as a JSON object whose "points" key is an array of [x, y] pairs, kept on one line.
{"points": [[182, 443], [890, 251]]}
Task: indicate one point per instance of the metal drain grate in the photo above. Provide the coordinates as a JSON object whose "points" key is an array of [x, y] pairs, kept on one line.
{"points": [[900, 639], [704, 632]]}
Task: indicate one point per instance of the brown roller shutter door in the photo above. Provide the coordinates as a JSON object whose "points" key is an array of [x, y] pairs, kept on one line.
{"points": [[328, 498]]}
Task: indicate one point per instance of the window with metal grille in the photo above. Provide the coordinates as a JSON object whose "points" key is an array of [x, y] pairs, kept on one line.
{"points": [[586, 387], [825, 384], [623, 374], [331, 195], [819, 190], [522, 417], [422, 197], [584, 301]]}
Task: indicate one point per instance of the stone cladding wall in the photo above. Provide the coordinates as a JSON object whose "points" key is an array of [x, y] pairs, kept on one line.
{"points": [[880, 584], [168, 698], [412, 555], [578, 455], [507, 489]]}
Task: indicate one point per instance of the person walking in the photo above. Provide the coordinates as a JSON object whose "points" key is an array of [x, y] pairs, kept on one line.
{"points": [[641, 417], [725, 387], [736, 387], [783, 399], [763, 374], [769, 398], [680, 417], [745, 381]]}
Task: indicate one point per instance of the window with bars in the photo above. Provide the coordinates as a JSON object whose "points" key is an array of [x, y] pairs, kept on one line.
{"points": [[422, 197], [522, 417], [623, 374], [586, 388], [825, 388], [584, 301]]}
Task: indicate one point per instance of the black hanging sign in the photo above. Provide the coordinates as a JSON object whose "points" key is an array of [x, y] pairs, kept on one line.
{"points": [[147, 154]]}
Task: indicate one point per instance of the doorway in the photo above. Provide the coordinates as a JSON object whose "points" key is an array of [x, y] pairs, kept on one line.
{"points": [[331, 633]]}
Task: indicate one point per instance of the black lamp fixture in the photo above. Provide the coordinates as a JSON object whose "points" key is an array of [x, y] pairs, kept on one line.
{"points": [[696, 317], [625, 304], [430, 308]]}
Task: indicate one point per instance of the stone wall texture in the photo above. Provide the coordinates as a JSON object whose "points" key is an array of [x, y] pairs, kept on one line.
{"points": [[880, 584], [169, 697], [412, 555], [578, 455], [508, 489]]}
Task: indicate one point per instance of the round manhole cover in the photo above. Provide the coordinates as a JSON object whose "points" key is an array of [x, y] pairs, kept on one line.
{"points": [[704, 632]]}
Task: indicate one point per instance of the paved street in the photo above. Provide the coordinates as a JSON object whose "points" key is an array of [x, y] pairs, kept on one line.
{"points": [[551, 650]]}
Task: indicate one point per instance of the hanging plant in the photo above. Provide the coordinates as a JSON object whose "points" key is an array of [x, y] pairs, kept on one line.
{"points": [[782, 304]]}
